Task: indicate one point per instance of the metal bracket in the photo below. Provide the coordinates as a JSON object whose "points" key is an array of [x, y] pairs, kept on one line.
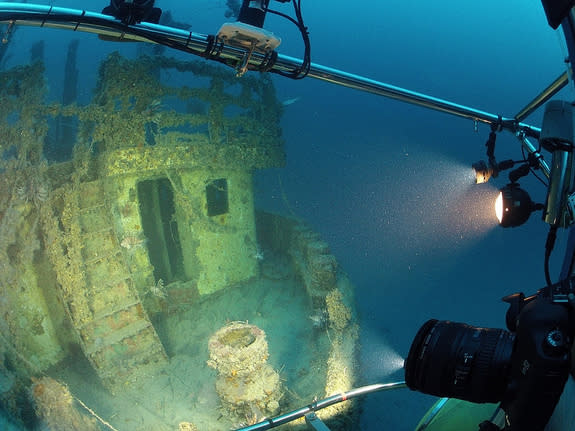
{"points": [[249, 38], [315, 422], [242, 66], [8, 32]]}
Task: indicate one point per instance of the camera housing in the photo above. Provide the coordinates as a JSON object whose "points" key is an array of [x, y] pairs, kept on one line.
{"points": [[540, 364], [525, 368]]}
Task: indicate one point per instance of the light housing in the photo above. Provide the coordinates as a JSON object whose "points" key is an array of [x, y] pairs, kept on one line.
{"points": [[513, 206], [482, 172]]}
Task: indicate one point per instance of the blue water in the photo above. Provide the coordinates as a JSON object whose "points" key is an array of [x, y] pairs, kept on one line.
{"points": [[378, 178]]}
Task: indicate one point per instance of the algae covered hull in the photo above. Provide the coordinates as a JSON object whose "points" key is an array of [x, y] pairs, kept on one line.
{"points": [[129, 240]]}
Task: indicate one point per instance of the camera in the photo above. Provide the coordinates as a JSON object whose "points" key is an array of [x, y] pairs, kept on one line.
{"points": [[524, 368], [253, 12], [133, 11]]}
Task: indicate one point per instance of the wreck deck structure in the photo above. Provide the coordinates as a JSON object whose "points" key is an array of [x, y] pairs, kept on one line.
{"points": [[142, 211]]}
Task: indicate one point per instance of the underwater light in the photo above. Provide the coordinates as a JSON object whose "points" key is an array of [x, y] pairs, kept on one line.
{"points": [[513, 206], [483, 171]]}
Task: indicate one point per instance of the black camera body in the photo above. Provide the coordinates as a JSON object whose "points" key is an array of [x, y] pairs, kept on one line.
{"points": [[540, 362], [524, 368], [253, 12], [133, 11]]}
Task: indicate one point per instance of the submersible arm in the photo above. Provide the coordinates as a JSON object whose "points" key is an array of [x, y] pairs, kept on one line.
{"points": [[209, 47]]}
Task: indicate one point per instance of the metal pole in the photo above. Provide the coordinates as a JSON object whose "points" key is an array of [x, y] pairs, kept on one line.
{"points": [[568, 27], [376, 87], [544, 96], [318, 405]]}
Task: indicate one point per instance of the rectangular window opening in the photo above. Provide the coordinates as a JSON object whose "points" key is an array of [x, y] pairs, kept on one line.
{"points": [[217, 197]]}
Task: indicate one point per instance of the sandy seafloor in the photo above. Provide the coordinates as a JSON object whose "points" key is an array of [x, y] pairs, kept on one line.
{"points": [[185, 392]]}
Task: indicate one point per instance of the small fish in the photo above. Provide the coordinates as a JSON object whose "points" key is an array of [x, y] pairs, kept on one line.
{"points": [[319, 319], [132, 241], [159, 290], [290, 101], [258, 254]]}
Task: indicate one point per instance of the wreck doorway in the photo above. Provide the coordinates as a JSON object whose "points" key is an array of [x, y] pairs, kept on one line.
{"points": [[158, 215]]}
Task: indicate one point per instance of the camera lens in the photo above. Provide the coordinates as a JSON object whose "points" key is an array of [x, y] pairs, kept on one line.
{"points": [[456, 360]]}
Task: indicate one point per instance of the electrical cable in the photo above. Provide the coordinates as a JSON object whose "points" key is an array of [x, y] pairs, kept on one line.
{"points": [[305, 67], [531, 169], [120, 26], [549, 245], [567, 268], [541, 180], [490, 144]]}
